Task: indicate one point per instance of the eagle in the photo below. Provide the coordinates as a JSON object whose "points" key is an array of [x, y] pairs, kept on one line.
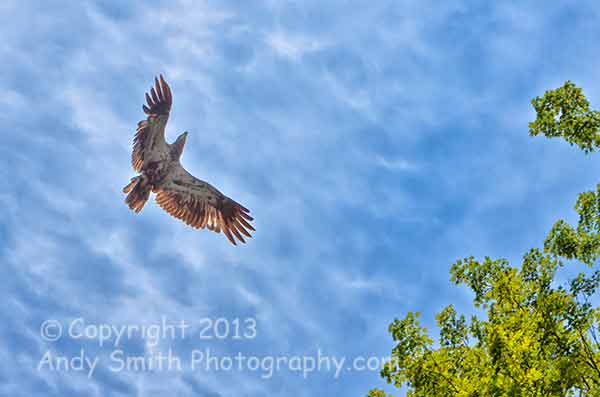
{"points": [[195, 202]]}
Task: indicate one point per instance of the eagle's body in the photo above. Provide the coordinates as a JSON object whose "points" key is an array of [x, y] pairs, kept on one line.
{"points": [[178, 192]]}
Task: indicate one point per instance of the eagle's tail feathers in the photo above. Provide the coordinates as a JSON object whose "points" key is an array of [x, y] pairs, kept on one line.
{"points": [[139, 191], [131, 184]]}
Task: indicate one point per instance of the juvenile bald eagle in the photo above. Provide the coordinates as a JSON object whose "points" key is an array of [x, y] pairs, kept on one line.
{"points": [[178, 192]]}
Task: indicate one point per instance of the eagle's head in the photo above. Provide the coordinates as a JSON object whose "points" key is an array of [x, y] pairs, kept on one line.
{"points": [[180, 143]]}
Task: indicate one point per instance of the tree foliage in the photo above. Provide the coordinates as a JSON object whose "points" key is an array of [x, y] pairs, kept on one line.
{"points": [[537, 338], [565, 112]]}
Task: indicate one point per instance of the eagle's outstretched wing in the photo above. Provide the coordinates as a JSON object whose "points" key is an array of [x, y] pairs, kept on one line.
{"points": [[200, 205], [149, 141]]}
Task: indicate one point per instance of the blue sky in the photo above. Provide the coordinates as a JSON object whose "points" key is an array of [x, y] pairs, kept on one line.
{"points": [[374, 142]]}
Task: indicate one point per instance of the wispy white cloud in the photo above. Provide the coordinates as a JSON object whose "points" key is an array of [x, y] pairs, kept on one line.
{"points": [[396, 164], [294, 47]]}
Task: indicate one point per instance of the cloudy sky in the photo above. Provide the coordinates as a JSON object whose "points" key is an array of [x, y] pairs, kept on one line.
{"points": [[374, 142]]}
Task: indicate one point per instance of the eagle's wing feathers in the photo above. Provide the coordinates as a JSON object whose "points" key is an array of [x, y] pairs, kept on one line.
{"points": [[149, 140], [200, 205]]}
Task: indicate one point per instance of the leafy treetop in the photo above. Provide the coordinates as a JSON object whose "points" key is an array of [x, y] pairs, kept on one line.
{"points": [[538, 339]]}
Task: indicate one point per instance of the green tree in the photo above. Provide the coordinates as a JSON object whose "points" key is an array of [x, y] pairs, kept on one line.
{"points": [[538, 338]]}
